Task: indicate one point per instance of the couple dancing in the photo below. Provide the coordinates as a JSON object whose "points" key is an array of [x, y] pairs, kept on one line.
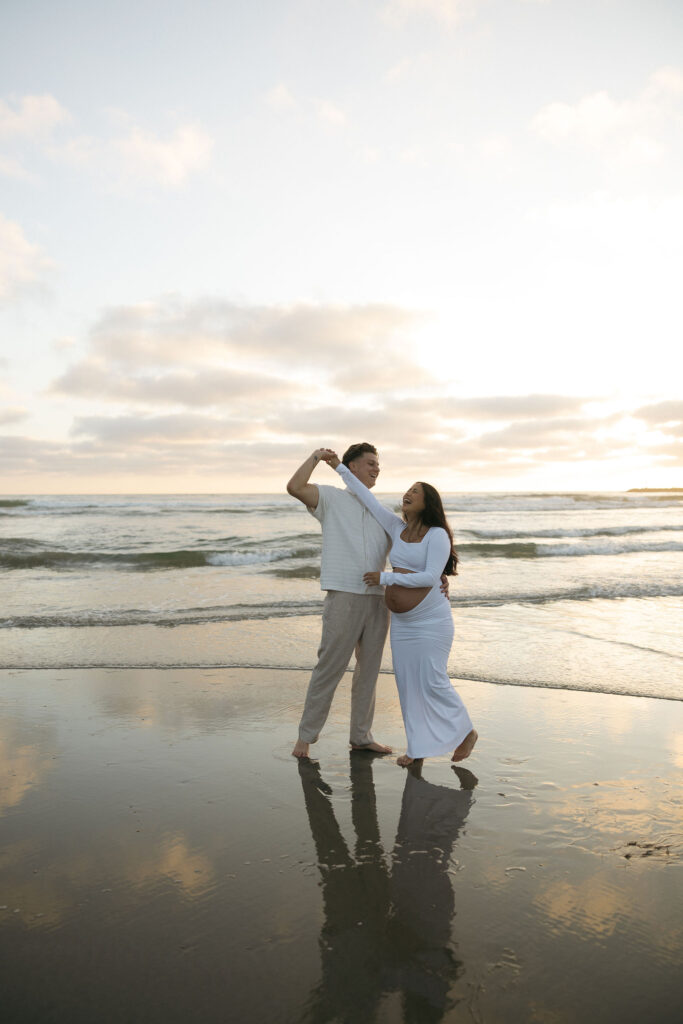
{"points": [[358, 534]]}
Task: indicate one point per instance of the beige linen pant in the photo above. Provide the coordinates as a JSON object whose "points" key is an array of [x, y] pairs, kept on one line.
{"points": [[351, 622]]}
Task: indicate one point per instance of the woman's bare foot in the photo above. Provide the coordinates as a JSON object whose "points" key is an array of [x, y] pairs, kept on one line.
{"points": [[466, 747], [377, 748], [403, 761], [300, 749]]}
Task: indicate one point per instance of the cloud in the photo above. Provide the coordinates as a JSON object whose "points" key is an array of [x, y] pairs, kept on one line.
{"points": [[330, 113], [667, 419], [13, 168], [211, 387], [661, 412], [303, 337], [413, 423], [23, 266], [105, 454], [134, 156], [12, 415], [573, 436], [208, 355], [405, 424], [161, 430], [185, 396], [151, 159], [21, 454], [27, 122], [512, 407], [414, 439], [672, 454], [280, 98], [408, 66], [121, 153], [446, 12], [33, 117], [641, 129]]}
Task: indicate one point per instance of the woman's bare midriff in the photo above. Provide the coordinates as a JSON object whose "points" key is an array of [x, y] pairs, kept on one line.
{"points": [[404, 599]]}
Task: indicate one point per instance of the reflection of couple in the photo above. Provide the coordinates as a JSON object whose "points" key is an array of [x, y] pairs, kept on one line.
{"points": [[387, 927], [358, 533]]}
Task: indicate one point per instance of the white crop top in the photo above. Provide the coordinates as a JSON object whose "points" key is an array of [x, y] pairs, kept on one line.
{"points": [[427, 559]]}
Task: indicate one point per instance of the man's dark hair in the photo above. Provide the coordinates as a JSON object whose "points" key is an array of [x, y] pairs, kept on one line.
{"points": [[356, 450]]}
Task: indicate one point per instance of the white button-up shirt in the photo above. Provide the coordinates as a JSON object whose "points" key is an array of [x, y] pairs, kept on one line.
{"points": [[353, 541]]}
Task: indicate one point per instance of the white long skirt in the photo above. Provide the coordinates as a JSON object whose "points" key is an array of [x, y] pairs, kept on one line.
{"points": [[435, 718]]}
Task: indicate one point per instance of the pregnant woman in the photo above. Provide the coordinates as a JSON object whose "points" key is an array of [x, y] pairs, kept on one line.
{"points": [[435, 718]]}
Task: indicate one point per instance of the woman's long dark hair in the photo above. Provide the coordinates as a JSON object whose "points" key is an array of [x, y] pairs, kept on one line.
{"points": [[434, 515]]}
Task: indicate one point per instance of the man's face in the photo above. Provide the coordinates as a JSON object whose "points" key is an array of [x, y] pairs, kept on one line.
{"points": [[366, 468]]}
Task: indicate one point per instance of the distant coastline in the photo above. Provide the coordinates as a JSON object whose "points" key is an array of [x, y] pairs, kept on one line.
{"points": [[652, 490]]}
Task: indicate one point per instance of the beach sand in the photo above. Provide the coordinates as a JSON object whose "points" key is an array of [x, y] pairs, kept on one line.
{"points": [[164, 858]]}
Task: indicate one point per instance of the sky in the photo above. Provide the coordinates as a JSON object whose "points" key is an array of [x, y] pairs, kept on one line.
{"points": [[232, 232]]}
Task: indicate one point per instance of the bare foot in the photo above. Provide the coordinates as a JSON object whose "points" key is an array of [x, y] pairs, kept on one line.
{"points": [[403, 761], [466, 747], [377, 748], [300, 749]]}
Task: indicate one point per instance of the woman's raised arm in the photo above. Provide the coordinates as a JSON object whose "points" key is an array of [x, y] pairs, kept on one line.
{"points": [[386, 519]]}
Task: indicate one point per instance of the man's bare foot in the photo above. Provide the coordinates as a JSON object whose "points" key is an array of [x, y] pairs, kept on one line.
{"points": [[300, 749], [377, 748], [403, 761], [466, 747]]}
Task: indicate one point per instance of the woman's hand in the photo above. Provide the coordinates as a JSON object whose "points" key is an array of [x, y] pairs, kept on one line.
{"points": [[371, 579], [324, 455]]}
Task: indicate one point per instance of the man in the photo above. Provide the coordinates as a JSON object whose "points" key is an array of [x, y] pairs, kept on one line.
{"points": [[355, 617]]}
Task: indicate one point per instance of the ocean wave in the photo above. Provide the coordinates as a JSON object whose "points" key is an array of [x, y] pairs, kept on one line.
{"points": [[136, 507], [297, 559], [168, 618], [613, 591], [260, 556], [583, 502], [117, 617], [301, 571], [275, 505], [531, 549], [598, 531], [25, 553]]}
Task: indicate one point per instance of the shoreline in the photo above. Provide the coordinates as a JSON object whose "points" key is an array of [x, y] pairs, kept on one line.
{"points": [[384, 672], [163, 854]]}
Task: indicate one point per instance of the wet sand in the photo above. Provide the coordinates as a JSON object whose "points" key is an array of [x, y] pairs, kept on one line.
{"points": [[164, 858]]}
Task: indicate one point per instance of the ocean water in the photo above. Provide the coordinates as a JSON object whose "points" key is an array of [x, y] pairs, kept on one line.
{"points": [[579, 591]]}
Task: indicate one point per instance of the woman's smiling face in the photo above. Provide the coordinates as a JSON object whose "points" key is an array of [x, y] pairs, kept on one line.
{"points": [[414, 499]]}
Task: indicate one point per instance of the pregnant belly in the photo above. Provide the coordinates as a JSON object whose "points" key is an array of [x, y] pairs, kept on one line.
{"points": [[404, 599]]}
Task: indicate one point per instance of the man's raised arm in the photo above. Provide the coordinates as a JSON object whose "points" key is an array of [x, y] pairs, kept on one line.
{"points": [[299, 486]]}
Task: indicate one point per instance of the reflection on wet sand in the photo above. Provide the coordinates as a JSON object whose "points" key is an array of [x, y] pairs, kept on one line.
{"points": [[387, 921], [22, 766]]}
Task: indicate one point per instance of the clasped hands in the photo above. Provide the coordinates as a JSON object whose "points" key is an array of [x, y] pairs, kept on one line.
{"points": [[327, 455]]}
